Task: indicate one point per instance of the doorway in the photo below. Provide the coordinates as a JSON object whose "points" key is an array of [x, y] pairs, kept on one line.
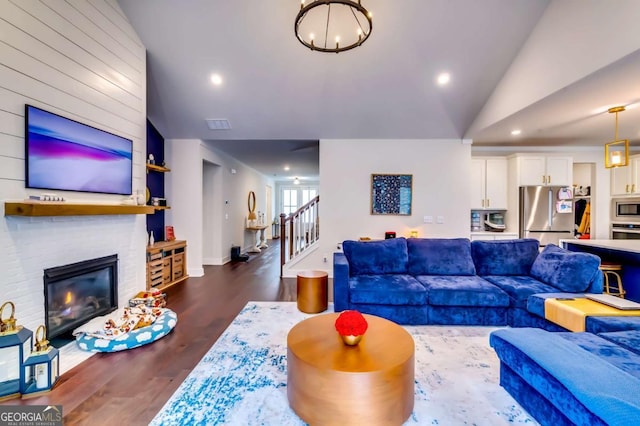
{"points": [[211, 214], [583, 199], [268, 191]]}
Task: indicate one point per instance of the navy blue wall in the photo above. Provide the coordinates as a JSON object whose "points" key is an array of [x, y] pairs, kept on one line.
{"points": [[155, 181]]}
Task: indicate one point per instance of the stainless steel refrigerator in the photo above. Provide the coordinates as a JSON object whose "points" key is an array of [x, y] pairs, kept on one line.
{"points": [[546, 213]]}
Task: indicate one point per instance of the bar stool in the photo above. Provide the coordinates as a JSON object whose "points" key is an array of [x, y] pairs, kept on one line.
{"points": [[609, 270]]}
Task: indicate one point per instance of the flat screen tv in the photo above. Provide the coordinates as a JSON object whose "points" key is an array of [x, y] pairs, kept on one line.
{"points": [[63, 154]]}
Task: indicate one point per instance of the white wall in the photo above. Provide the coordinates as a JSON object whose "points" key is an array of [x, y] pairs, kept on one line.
{"points": [[208, 202], [81, 60], [440, 170], [183, 190]]}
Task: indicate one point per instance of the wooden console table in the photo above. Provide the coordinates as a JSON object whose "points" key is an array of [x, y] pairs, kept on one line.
{"points": [[260, 238]]}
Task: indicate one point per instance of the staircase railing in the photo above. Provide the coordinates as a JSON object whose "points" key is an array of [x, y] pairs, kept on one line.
{"points": [[298, 231]]}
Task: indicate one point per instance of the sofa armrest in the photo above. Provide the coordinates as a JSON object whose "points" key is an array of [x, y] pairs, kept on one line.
{"points": [[340, 282]]}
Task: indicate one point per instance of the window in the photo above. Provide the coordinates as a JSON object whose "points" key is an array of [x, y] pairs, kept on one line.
{"points": [[289, 201], [295, 197], [308, 195]]}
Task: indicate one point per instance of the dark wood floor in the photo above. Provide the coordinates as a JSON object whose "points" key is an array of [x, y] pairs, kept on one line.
{"points": [[130, 387]]}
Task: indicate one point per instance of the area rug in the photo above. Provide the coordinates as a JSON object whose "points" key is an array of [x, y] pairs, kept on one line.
{"points": [[242, 380]]}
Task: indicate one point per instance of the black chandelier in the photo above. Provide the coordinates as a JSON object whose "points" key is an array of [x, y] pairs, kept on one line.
{"points": [[346, 24]]}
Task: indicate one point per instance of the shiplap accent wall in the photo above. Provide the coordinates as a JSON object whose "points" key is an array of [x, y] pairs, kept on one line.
{"points": [[80, 59]]}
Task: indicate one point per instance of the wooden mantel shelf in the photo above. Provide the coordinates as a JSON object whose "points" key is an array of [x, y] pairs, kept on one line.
{"points": [[49, 208]]}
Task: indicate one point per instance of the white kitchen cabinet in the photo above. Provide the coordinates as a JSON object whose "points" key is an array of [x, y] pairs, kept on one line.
{"points": [[626, 180], [505, 236], [482, 237], [489, 183], [492, 236], [545, 170]]}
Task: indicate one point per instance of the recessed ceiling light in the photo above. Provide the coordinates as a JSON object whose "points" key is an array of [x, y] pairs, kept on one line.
{"points": [[216, 79], [516, 132], [443, 78]]}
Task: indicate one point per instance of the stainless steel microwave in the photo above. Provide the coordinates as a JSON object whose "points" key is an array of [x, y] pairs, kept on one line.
{"points": [[625, 209]]}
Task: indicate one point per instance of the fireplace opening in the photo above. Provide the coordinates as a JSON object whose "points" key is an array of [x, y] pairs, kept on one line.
{"points": [[77, 293]]}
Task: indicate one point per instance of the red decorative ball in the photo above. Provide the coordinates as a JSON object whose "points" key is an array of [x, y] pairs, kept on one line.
{"points": [[351, 323]]}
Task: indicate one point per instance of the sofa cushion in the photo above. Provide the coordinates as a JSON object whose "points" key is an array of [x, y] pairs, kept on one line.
{"points": [[564, 269], [629, 339], [519, 288], [462, 291], [504, 257], [436, 256], [406, 315], [398, 289], [376, 257], [619, 356], [467, 315], [520, 317], [599, 325], [536, 302]]}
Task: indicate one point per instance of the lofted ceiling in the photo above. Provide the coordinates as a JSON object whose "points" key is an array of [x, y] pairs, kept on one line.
{"points": [[281, 98]]}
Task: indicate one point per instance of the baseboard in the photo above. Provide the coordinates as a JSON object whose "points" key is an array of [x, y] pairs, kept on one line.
{"points": [[216, 260], [195, 272], [293, 273]]}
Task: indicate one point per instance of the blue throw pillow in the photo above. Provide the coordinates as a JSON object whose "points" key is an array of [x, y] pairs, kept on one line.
{"points": [[504, 257], [433, 256], [566, 270], [376, 257]]}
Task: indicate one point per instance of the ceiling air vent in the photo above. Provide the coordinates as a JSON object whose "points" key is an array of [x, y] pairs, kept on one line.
{"points": [[218, 123]]}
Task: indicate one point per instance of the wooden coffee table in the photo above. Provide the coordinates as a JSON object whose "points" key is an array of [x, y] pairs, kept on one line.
{"points": [[329, 382]]}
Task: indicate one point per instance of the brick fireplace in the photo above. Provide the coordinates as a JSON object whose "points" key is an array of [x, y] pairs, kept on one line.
{"points": [[35, 244]]}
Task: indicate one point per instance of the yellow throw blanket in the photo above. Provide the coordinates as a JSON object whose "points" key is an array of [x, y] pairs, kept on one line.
{"points": [[572, 314]]}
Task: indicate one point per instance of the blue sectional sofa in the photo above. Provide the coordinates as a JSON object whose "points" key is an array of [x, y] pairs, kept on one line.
{"points": [[573, 378], [590, 378], [560, 378], [456, 281]]}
